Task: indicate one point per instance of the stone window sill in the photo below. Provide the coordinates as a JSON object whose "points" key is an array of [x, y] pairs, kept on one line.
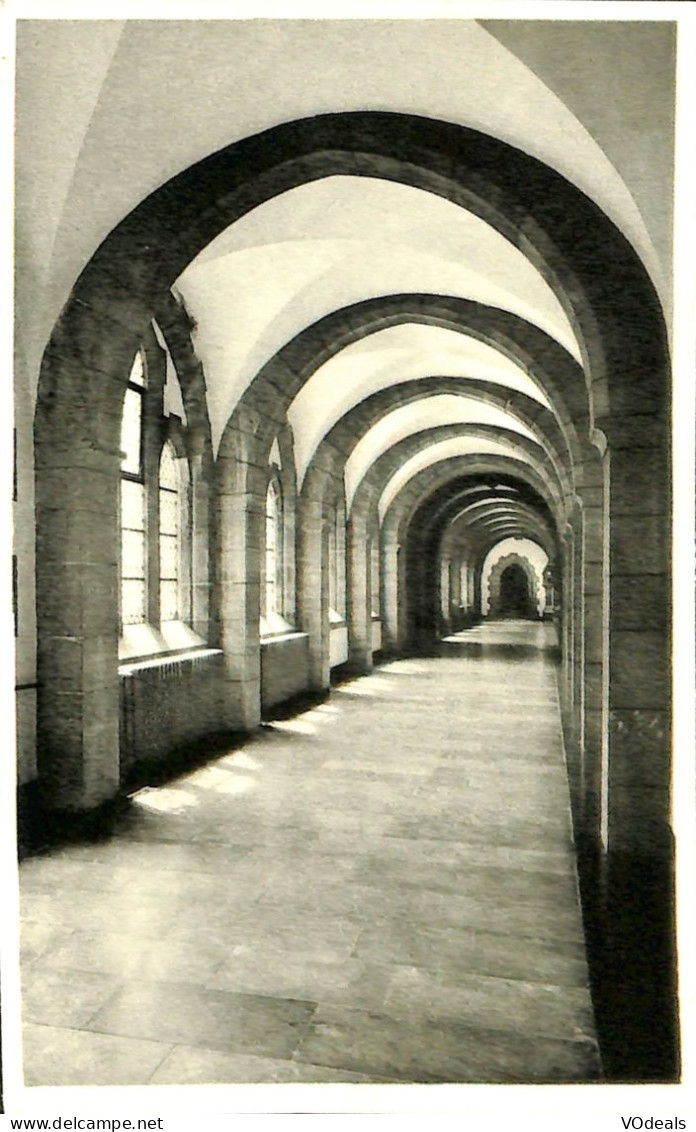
{"points": [[277, 638], [162, 659], [143, 642]]}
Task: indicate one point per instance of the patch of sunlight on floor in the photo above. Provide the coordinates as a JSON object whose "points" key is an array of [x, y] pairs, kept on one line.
{"points": [[208, 778], [405, 667], [239, 761], [164, 800], [237, 784], [366, 686], [293, 726], [315, 715]]}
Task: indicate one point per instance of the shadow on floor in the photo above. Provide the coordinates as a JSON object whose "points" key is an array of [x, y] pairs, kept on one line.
{"points": [[504, 650]]}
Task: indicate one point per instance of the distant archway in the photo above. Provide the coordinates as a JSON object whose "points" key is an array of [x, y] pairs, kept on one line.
{"points": [[514, 598], [514, 588]]}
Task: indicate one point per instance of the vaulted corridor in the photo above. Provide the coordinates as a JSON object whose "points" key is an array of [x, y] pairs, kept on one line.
{"points": [[381, 888]]}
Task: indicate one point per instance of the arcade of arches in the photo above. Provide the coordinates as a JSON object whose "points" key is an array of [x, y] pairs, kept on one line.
{"points": [[306, 390]]}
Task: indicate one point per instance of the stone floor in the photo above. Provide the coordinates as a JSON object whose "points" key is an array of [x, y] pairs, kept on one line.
{"points": [[381, 889]]}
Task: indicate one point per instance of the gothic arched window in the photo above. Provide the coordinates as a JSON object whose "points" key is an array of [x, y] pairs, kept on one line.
{"points": [[134, 605], [173, 537], [156, 539], [337, 561], [274, 551], [375, 578]]}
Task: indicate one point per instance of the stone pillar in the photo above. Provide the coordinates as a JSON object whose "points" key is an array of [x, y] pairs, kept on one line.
{"points": [[456, 585], [402, 598], [313, 583], [568, 617], [241, 511], [592, 715], [473, 608], [639, 658], [390, 593], [549, 584], [359, 612], [445, 584], [577, 645], [628, 884], [77, 586], [477, 603]]}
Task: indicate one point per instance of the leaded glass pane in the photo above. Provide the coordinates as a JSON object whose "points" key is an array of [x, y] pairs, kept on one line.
{"points": [[376, 602], [271, 598], [169, 474], [169, 557], [333, 570], [137, 374], [132, 602], [272, 544], [132, 554], [132, 505], [131, 427], [169, 512], [169, 601]]}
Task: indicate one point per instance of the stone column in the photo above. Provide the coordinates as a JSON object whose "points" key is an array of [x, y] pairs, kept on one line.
{"points": [[313, 581], [390, 592], [445, 596], [402, 599], [592, 713], [359, 612], [639, 656], [241, 510], [77, 586]]}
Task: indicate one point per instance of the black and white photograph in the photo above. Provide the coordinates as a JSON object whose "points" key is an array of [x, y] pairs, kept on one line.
{"points": [[346, 490]]}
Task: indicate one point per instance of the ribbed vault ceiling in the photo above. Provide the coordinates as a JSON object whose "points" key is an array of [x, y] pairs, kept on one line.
{"points": [[422, 416], [388, 358], [437, 453], [334, 242]]}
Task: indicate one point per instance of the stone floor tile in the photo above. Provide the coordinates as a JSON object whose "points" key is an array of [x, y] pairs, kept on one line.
{"points": [[520, 1008], [296, 929], [124, 956], [302, 975], [424, 1051], [186, 1065], [494, 912], [310, 871], [62, 1056], [138, 857], [45, 873], [468, 856], [66, 998], [330, 900], [455, 827], [177, 1014], [460, 878], [38, 938], [147, 915], [461, 952]]}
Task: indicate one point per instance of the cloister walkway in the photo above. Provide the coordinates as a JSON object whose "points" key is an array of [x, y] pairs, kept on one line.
{"points": [[379, 889]]}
